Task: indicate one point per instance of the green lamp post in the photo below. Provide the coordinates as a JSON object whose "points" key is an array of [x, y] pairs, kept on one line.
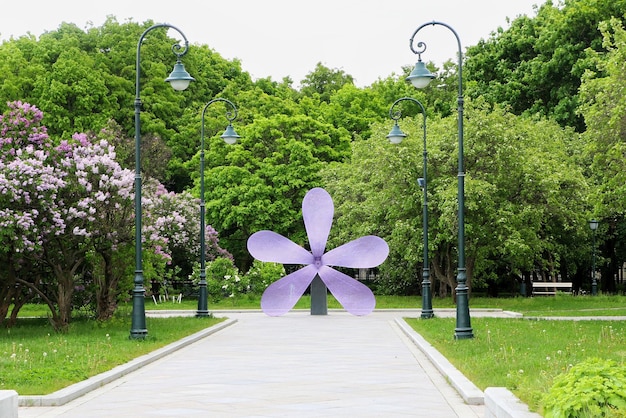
{"points": [[420, 77], [230, 137], [179, 79], [593, 224], [395, 137]]}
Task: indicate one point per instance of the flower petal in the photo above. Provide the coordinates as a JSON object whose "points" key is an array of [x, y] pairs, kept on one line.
{"points": [[282, 295], [365, 252], [270, 246], [317, 212], [354, 296]]}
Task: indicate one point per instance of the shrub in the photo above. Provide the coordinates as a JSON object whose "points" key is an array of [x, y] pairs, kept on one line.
{"points": [[593, 388], [223, 279], [262, 274]]}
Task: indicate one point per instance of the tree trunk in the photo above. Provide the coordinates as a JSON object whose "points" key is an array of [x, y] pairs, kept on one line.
{"points": [[65, 290], [442, 267], [7, 293], [106, 289]]}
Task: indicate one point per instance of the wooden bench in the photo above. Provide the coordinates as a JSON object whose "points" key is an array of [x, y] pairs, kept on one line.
{"points": [[550, 288]]}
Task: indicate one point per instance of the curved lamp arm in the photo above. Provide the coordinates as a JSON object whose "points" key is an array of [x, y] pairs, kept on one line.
{"points": [[177, 49], [421, 47], [398, 113], [229, 136]]}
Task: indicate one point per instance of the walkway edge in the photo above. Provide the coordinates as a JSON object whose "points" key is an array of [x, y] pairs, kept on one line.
{"points": [[470, 393], [65, 395]]}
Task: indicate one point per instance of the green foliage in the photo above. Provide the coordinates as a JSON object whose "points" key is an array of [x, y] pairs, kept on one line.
{"points": [[262, 274], [35, 362], [602, 106], [528, 191], [218, 273], [259, 182], [324, 82], [524, 197], [593, 388], [355, 110], [224, 280], [535, 66], [526, 356]]}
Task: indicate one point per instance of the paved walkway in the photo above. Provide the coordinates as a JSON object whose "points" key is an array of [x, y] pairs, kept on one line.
{"points": [[297, 365]]}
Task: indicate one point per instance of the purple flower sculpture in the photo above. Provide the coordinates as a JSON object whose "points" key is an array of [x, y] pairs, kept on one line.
{"points": [[365, 252]]}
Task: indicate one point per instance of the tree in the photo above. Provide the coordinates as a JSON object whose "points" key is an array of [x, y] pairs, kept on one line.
{"points": [[259, 183], [603, 110], [536, 65], [83, 79], [355, 109], [175, 218], [27, 182], [525, 199], [324, 82]]}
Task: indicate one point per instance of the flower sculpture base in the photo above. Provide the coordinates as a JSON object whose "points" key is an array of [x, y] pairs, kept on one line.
{"points": [[366, 252], [319, 297]]}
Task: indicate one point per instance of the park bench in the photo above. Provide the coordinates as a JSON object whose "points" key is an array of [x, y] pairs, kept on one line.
{"points": [[550, 288]]}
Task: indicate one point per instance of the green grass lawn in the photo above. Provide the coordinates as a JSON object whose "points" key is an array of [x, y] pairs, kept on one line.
{"points": [[34, 360], [560, 305], [523, 355]]}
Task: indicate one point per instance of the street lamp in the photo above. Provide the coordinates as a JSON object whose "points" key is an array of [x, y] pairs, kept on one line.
{"points": [[593, 224], [179, 79], [230, 137], [395, 137], [420, 77]]}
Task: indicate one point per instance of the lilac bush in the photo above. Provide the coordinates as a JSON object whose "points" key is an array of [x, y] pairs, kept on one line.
{"points": [[27, 182], [67, 214], [174, 218]]}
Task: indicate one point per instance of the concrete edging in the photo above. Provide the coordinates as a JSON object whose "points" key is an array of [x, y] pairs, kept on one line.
{"points": [[470, 393], [502, 403], [8, 404], [499, 402], [77, 390]]}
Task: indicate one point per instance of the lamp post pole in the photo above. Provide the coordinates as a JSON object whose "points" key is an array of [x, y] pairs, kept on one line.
{"points": [[179, 79], [593, 224], [230, 137], [396, 136], [420, 77]]}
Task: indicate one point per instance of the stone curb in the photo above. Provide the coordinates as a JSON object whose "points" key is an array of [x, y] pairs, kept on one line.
{"points": [[468, 391], [502, 403], [77, 390], [499, 402], [8, 404]]}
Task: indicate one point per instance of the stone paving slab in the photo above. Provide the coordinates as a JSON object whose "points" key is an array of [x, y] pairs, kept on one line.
{"points": [[297, 365]]}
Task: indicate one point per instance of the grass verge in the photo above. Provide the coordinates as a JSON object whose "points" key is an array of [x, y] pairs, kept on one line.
{"points": [[36, 361], [523, 355], [559, 305]]}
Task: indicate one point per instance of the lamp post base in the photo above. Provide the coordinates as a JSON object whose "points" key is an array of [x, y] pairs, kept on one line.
{"points": [[138, 328], [463, 333], [426, 314], [136, 334], [463, 328], [203, 309]]}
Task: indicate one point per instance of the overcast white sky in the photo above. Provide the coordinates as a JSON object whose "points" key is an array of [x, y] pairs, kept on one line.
{"points": [[368, 39]]}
